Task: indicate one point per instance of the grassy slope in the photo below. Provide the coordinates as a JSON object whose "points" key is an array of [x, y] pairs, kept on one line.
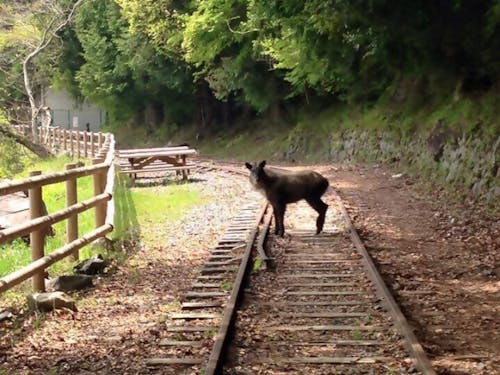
{"points": [[358, 131], [313, 127], [393, 129]]}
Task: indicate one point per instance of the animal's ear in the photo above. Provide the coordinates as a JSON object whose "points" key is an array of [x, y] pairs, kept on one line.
{"points": [[262, 164], [248, 165]]}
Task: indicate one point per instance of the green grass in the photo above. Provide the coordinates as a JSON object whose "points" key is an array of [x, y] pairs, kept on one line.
{"points": [[140, 213], [14, 256], [307, 136], [156, 207]]}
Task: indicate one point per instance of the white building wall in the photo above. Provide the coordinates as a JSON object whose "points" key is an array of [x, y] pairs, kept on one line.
{"points": [[64, 109]]}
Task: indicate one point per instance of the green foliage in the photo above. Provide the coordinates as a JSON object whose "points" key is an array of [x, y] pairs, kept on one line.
{"points": [[13, 156], [210, 61], [120, 69], [28, 34], [207, 32], [257, 265], [104, 78]]}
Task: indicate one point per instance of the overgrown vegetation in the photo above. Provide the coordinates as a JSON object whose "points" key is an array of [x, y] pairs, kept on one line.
{"points": [[163, 67], [173, 63]]}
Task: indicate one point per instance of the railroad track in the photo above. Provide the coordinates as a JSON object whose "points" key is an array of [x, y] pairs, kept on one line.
{"points": [[322, 309]]}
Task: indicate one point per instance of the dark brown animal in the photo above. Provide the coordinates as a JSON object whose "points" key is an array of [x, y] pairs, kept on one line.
{"points": [[281, 186]]}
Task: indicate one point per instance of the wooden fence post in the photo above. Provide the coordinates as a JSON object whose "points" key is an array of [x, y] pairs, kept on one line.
{"points": [[37, 237], [92, 147], [77, 133], [72, 222], [100, 209], [85, 147], [64, 140], [99, 141]]}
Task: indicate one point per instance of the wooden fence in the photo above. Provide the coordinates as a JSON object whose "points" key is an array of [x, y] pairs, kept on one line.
{"points": [[79, 144], [101, 147]]}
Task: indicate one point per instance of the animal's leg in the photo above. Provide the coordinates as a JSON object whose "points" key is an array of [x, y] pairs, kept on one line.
{"points": [[320, 208], [279, 216]]}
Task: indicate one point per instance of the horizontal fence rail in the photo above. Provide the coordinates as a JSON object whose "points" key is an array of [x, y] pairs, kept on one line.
{"points": [[102, 149], [53, 178], [14, 278], [76, 142]]}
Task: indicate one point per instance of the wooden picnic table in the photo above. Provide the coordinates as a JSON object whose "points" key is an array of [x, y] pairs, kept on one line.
{"points": [[134, 161]]}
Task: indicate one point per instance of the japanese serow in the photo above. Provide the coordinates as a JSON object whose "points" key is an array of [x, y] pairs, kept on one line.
{"points": [[281, 186]]}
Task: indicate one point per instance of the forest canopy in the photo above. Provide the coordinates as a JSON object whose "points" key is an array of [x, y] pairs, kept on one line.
{"points": [[210, 60]]}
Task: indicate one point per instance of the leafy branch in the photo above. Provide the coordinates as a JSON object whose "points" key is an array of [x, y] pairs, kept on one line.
{"points": [[55, 25]]}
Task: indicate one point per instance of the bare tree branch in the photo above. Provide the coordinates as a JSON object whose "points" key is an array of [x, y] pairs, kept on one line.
{"points": [[48, 35], [32, 146]]}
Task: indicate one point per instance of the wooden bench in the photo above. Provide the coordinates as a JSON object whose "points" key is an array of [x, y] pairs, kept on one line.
{"points": [[155, 160]]}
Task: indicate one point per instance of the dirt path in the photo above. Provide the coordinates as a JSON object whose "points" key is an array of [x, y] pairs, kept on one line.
{"points": [[440, 259], [120, 322]]}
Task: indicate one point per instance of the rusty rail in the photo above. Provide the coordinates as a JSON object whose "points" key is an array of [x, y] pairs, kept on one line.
{"points": [[214, 361], [412, 344], [417, 352]]}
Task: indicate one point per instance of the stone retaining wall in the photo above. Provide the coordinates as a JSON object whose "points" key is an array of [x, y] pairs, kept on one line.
{"points": [[467, 163]]}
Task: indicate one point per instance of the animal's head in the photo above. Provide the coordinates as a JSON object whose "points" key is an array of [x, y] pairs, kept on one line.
{"points": [[256, 173]]}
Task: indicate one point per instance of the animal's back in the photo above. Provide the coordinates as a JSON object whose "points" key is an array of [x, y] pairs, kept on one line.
{"points": [[292, 186]]}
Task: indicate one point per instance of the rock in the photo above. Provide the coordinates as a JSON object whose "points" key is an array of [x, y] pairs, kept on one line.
{"points": [[437, 139], [50, 301], [92, 266], [6, 315], [103, 243], [71, 282], [488, 273], [398, 175]]}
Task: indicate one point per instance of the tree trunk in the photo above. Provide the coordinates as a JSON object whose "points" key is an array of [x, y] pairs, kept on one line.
{"points": [[48, 35], [37, 149]]}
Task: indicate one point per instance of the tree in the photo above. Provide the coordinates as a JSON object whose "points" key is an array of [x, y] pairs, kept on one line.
{"points": [[124, 72], [59, 20]]}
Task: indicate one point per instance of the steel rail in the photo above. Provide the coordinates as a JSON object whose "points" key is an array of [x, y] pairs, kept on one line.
{"points": [[414, 347], [214, 361]]}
